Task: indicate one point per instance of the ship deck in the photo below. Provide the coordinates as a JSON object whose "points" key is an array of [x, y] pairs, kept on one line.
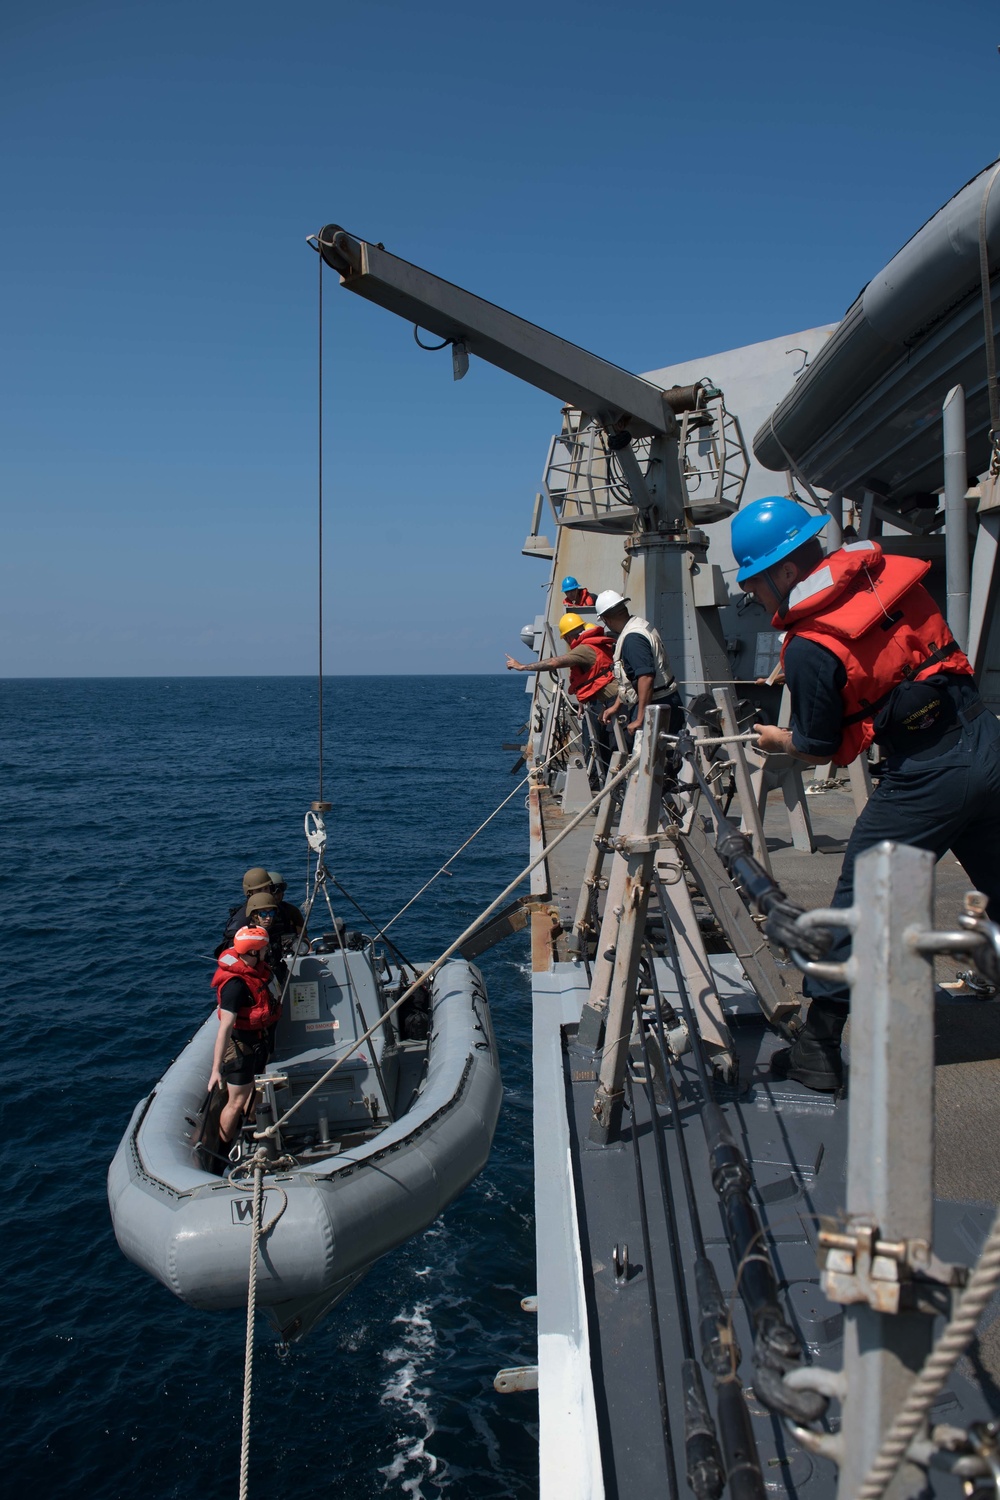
{"points": [[796, 1143]]}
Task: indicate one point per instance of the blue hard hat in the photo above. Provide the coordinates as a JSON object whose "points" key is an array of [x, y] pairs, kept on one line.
{"points": [[569, 582], [769, 530]]}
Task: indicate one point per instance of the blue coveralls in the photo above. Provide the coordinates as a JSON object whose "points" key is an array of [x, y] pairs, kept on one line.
{"points": [[936, 801]]}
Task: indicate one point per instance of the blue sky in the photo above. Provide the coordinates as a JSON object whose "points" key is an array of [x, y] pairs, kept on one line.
{"points": [[650, 181]]}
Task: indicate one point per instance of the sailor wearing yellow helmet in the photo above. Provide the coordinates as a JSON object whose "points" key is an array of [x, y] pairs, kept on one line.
{"points": [[589, 658]]}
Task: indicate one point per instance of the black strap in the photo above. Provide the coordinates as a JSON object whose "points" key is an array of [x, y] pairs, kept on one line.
{"points": [[972, 712], [869, 710]]}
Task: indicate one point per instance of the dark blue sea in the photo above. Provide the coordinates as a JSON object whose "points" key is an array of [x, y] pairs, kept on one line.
{"points": [[131, 809]]}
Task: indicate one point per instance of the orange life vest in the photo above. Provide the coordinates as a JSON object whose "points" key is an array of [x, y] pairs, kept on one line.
{"points": [[870, 609], [266, 1007], [585, 601], [586, 682]]}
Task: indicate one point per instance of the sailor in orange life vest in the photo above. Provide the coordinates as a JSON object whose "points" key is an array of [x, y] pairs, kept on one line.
{"points": [[868, 656], [248, 1013], [575, 596], [590, 659]]}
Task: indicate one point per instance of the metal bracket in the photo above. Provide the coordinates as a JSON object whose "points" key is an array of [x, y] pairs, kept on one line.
{"points": [[315, 827], [644, 843], [510, 919], [889, 1275]]}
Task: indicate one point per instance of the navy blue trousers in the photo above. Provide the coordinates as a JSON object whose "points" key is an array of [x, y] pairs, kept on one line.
{"points": [[949, 801]]}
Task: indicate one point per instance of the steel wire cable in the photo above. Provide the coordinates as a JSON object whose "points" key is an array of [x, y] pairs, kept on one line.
{"points": [[453, 948], [720, 1352], [669, 1454], [444, 869], [320, 520]]}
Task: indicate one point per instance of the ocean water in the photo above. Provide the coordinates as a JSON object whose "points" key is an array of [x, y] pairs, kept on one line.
{"points": [[130, 810]]}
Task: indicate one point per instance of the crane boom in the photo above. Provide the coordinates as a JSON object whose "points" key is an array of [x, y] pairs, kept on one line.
{"points": [[606, 393]]}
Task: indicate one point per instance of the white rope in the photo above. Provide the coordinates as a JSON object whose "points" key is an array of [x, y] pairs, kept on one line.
{"points": [[444, 868], [508, 890], [258, 1198], [982, 1284], [747, 738]]}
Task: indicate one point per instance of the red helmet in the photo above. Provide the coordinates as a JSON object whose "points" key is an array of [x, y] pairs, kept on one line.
{"points": [[250, 938]]}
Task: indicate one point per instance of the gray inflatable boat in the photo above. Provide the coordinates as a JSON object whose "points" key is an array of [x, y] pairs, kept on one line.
{"points": [[368, 1160]]}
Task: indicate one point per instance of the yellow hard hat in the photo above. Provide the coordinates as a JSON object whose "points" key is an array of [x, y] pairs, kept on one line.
{"points": [[569, 623]]}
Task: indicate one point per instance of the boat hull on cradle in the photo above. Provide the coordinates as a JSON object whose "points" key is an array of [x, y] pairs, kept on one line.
{"points": [[866, 413], [335, 1217]]}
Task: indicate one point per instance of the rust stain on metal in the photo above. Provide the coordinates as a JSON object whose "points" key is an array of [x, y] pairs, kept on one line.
{"points": [[536, 829], [542, 933]]}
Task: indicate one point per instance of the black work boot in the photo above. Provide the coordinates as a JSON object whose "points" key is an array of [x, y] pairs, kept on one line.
{"points": [[814, 1057]]}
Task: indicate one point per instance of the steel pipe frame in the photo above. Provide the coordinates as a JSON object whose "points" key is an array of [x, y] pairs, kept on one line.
{"points": [[956, 518], [634, 880]]}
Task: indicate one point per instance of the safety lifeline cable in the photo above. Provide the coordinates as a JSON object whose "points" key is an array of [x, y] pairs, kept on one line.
{"points": [[319, 519], [453, 948], [444, 869]]}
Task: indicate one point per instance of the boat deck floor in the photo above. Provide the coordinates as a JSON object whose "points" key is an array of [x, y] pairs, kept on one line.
{"points": [[796, 1142]]}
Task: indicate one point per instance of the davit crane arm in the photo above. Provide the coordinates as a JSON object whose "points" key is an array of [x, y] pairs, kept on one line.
{"points": [[625, 405], [659, 446]]}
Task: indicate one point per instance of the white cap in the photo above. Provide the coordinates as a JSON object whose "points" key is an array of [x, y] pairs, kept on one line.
{"points": [[608, 600]]}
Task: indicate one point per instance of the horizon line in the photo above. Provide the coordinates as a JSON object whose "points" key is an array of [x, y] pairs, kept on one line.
{"points": [[229, 676]]}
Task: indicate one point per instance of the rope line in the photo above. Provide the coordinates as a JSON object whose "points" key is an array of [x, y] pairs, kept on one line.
{"points": [[404, 962], [432, 969], [320, 521], [258, 1198], [982, 1284], [444, 868]]}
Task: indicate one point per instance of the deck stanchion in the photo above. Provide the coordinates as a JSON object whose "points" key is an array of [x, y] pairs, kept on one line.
{"points": [[890, 1164]]}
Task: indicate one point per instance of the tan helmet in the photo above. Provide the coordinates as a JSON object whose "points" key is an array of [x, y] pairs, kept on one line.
{"points": [[569, 623], [261, 901], [255, 880]]}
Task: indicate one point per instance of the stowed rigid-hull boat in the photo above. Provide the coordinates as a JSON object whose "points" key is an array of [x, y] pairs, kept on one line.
{"points": [[368, 1160]]}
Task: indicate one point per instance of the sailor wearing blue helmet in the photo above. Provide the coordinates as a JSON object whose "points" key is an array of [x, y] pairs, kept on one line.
{"points": [[868, 656], [575, 596], [766, 532]]}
